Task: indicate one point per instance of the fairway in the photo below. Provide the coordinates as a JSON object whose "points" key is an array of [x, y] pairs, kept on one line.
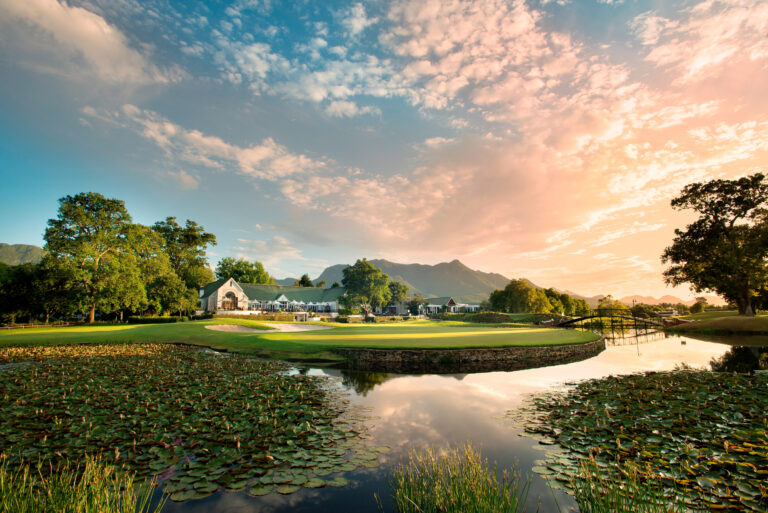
{"points": [[312, 345]]}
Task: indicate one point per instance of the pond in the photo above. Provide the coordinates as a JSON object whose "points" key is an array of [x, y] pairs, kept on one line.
{"points": [[415, 411]]}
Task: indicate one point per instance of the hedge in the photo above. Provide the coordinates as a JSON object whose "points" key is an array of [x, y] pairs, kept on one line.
{"points": [[137, 319]]}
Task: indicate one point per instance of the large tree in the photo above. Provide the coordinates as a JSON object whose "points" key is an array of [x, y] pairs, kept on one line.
{"points": [[397, 291], [185, 247], [519, 296], [242, 270], [89, 241], [367, 286], [726, 249]]}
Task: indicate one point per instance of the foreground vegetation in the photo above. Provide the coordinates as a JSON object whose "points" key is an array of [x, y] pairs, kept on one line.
{"points": [[699, 434], [455, 481], [201, 422], [96, 487], [315, 346]]}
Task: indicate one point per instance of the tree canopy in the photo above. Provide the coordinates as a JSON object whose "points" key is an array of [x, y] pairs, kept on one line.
{"points": [[367, 286], [243, 271], [397, 291], [90, 241], [186, 246], [725, 250], [304, 281], [98, 261]]}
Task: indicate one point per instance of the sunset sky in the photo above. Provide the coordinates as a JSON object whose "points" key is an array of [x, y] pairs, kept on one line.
{"points": [[537, 139]]}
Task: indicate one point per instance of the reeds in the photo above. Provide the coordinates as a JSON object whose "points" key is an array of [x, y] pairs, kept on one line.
{"points": [[456, 481], [94, 488], [596, 493]]}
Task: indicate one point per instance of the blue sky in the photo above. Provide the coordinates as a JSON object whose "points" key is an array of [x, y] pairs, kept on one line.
{"points": [[536, 139]]}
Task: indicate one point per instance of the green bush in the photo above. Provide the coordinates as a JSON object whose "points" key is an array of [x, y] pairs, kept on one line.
{"points": [[342, 319], [137, 319], [202, 316]]}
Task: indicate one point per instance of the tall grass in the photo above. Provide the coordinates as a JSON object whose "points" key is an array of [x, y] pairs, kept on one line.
{"points": [[95, 488], [456, 481], [596, 493]]}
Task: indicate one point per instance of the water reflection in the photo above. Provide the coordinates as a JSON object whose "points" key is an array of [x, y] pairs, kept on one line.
{"points": [[416, 411], [362, 382], [741, 359]]}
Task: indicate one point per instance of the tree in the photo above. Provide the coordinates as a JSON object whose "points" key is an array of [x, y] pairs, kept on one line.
{"points": [[320, 284], [304, 281], [89, 241], [726, 249], [185, 247], [609, 303], [397, 291], [335, 285], [414, 304], [367, 286], [519, 296], [242, 271], [698, 307]]}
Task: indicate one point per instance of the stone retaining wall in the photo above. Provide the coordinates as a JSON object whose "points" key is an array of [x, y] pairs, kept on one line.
{"points": [[448, 361]]}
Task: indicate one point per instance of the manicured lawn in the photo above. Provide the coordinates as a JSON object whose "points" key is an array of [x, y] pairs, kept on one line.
{"points": [[311, 345], [734, 324], [707, 316]]}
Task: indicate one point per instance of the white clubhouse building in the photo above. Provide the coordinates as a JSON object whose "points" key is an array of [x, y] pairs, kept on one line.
{"points": [[228, 296]]}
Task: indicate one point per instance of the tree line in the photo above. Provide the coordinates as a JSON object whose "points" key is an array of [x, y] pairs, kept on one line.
{"points": [[97, 260], [520, 296]]}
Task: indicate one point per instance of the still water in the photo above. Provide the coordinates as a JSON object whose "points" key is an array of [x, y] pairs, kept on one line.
{"points": [[410, 411]]}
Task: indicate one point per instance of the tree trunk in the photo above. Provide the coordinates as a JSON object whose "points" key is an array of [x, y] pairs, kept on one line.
{"points": [[121, 316], [47, 317], [745, 304], [92, 314]]}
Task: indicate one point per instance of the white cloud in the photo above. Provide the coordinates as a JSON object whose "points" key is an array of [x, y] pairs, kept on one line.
{"points": [[53, 36], [347, 109], [267, 160], [355, 19]]}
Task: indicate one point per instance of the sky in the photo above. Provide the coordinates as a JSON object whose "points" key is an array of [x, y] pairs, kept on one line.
{"points": [[538, 139]]}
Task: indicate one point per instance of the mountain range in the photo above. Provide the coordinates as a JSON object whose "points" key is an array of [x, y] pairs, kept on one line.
{"points": [[16, 254]]}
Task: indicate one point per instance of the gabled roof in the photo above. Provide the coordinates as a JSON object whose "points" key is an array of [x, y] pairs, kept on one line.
{"points": [[439, 301], [213, 287], [305, 294], [274, 292]]}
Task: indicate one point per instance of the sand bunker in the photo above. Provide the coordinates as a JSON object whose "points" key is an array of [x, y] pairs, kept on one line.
{"points": [[236, 328]]}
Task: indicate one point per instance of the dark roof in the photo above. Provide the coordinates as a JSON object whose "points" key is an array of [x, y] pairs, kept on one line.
{"points": [[438, 300], [212, 287], [272, 292], [306, 294]]}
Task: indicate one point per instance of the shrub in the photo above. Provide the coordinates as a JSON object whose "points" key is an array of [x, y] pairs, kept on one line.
{"points": [[137, 319], [278, 316], [202, 316], [342, 319]]}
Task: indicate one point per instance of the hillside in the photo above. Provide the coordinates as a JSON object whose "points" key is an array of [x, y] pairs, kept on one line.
{"points": [[444, 279], [649, 300], [15, 254]]}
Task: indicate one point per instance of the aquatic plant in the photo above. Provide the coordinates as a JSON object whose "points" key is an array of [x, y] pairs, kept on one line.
{"points": [[94, 488], [697, 433], [621, 492], [455, 481], [200, 421]]}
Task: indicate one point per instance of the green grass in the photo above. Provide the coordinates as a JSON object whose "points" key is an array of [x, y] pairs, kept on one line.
{"points": [[456, 481], [309, 345], [712, 314], [95, 488], [733, 324]]}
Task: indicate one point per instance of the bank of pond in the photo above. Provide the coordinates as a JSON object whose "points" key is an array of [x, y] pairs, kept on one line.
{"points": [[638, 425]]}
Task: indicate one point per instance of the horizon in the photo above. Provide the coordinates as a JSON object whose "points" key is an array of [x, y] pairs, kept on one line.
{"points": [[540, 140]]}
